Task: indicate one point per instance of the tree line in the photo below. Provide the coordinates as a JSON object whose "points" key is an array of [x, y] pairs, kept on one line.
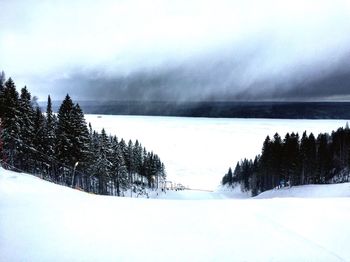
{"points": [[62, 148], [294, 161]]}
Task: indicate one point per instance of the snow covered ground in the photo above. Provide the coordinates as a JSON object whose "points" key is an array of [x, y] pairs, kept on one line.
{"points": [[197, 152], [40, 221]]}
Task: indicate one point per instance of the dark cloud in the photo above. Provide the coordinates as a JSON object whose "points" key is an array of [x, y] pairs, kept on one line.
{"points": [[178, 50], [214, 79]]}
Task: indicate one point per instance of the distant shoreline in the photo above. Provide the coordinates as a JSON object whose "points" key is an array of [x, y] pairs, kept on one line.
{"points": [[278, 110]]}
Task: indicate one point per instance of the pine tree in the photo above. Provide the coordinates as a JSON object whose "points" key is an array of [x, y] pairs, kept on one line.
{"points": [[276, 160], [103, 165], [2, 89], [26, 131], [50, 138], [92, 170], [254, 180], [2, 158], [308, 159], [324, 159], [118, 170], [266, 165], [138, 157], [80, 152], [228, 177], [129, 160], [39, 144], [2, 102], [64, 133], [10, 123]]}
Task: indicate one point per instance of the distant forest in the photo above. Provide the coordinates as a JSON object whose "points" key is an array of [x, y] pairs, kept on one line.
{"points": [[63, 149], [281, 110], [294, 161]]}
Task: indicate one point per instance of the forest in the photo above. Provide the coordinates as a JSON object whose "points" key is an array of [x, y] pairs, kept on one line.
{"points": [[64, 149], [294, 161]]}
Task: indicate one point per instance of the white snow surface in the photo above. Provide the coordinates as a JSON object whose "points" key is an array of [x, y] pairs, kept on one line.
{"points": [[197, 152], [40, 221], [309, 191]]}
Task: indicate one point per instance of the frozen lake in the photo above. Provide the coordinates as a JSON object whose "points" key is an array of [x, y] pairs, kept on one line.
{"points": [[198, 151]]}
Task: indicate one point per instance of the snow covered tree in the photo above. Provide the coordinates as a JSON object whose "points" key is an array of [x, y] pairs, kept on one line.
{"points": [[138, 157], [64, 133], [72, 138], [227, 179], [103, 164], [129, 160], [118, 171], [26, 130], [324, 158], [1, 145], [64, 150], [80, 152], [2, 87], [50, 138], [51, 122], [10, 123], [39, 144]]}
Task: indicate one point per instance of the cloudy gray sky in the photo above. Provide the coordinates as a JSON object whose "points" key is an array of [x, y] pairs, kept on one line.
{"points": [[178, 50]]}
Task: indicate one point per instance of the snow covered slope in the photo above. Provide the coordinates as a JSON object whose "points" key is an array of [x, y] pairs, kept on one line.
{"points": [[40, 221], [306, 191], [309, 191]]}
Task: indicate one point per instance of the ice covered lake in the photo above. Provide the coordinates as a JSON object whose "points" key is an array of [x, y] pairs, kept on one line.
{"points": [[198, 151]]}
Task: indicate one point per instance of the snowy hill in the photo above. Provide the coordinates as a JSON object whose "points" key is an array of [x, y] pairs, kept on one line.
{"points": [[305, 191], [40, 221], [309, 191]]}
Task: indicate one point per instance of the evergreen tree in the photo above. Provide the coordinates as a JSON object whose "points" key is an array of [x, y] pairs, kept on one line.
{"points": [[10, 123], [103, 165], [227, 179], [276, 161], [129, 160], [39, 144], [2, 89], [254, 178], [308, 159], [291, 159], [80, 138], [26, 131], [266, 165], [324, 159], [65, 133], [138, 157], [118, 170], [50, 138], [63, 149]]}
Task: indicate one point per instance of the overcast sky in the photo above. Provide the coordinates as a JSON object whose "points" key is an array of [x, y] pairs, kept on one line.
{"points": [[178, 50]]}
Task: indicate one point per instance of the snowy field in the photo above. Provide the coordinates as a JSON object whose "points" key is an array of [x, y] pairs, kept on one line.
{"points": [[40, 221], [198, 151]]}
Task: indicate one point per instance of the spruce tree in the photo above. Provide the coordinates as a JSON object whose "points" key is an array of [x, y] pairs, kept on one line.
{"points": [[65, 133], [103, 165], [50, 138], [80, 138], [129, 160], [2, 87], [39, 144], [118, 170], [10, 123], [26, 131], [324, 159]]}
